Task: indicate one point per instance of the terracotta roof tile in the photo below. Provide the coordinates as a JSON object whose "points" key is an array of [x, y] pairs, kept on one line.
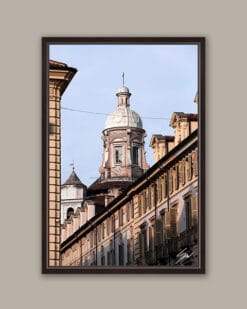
{"points": [[57, 64]]}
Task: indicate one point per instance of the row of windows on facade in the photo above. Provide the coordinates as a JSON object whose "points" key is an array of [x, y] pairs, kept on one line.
{"points": [[149, 197], [166, 225], [152, 242], [104, 256]]}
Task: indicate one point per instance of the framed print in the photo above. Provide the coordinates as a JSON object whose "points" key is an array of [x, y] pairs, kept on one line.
{"points": [[123, 164]]}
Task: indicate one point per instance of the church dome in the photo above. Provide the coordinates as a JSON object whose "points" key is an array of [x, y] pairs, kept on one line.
{"points": [[123, 116], [123, 89]]}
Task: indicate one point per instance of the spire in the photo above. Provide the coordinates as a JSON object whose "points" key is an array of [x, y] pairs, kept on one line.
{"points": [[73, 165], [123, 78], [73, 178], [123, 94]]}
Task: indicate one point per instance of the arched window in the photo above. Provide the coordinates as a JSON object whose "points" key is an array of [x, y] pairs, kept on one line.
{"points": [[70, 212]]}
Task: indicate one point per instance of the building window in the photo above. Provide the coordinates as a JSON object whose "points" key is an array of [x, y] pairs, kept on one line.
{"points": [[149, 198], [176, 176], [143, 244], [112, 223], [128, 212], [170, 181], [93, 259], [189, 167], [140, 204], [118, 155], [194, 162], [151, 242], [121, 217], [102, 256], [154, 195], [111, 255], [128, 252], [188, 213], [70, 212], [135, 155], [162, 188], [108, 226], [121, 254], [182, 173], [144, 197], [95, 237], [99, 233], [173, 223], [102, 231], [132, 208], [91, 239]]}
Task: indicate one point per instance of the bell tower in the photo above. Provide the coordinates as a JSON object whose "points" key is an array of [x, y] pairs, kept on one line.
{"points": [[123, 142]]}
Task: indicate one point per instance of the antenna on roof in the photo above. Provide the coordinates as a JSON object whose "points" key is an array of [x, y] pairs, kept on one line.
{"points": [[123, 78]]}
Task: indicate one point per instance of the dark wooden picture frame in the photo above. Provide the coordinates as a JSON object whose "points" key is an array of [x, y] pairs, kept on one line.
{"points": [[173, 253]]}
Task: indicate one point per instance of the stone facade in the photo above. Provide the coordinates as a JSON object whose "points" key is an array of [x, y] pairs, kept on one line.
{"points": [[123, 143], [123, 162], [60, 76], [183, 125], [161, 145], [150, 222], [73, 192]]}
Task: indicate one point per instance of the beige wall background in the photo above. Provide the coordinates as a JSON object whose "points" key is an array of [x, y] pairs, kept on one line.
{"points": [[22, 25]]}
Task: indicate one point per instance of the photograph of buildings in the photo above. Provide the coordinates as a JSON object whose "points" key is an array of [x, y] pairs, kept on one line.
{"points": [[123, 162]]}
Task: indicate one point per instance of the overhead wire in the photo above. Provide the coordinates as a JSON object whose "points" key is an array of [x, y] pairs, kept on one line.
{"points": [[105, 114]]}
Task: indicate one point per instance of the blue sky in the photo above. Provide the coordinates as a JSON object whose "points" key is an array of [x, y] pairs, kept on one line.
{"points": [[161, 78]]}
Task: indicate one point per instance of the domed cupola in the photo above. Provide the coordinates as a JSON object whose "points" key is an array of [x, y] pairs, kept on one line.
{"points": [[123, 138], [123, 116]]}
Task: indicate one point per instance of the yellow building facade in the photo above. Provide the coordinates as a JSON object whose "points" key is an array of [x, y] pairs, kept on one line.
{"points": [[153, 219], [60, 75]]}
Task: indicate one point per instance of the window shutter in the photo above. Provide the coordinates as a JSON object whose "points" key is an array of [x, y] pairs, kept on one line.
{"points": [[194, 205], [139, 205], [128, 251], [95, 237], [173, 220], [108, 227], [102, 231], [170, 182], [167, 224], [128, 211], [112, 223], [189, 168], [149, 198], [151, 242], [165, 186], [121, 217], [140, 244], [195, 162], [154, 194], [99, 233], [144, 201], [188, 213], [158, 232], [176, 172], [132, 208], [181, 173], [158, 189]]}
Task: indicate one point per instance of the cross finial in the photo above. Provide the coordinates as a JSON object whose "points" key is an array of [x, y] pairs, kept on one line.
{"points": [[123, 78], [73, 165]]}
